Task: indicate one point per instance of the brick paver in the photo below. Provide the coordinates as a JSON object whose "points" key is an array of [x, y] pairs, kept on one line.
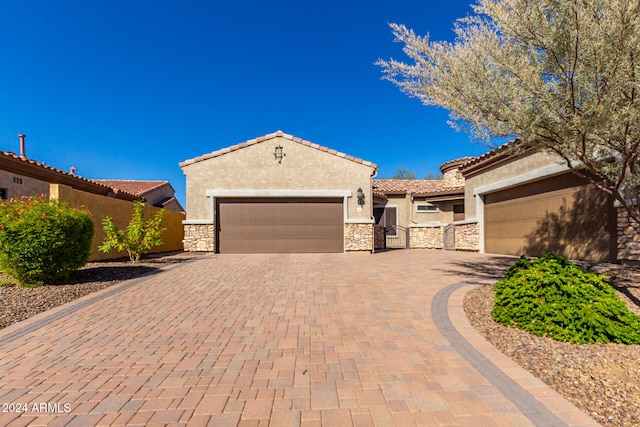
{"points": [[281, 340]]}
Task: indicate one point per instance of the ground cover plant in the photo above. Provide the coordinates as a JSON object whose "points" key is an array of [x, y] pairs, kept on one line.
{"points": [[43, 241], [553, 297]]}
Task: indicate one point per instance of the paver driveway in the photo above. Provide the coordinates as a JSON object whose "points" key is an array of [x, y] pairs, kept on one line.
{"points": [[281, 340]]}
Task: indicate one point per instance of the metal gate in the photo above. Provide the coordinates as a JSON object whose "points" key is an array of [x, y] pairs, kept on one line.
{"points": [[449, 237], [396, 237]]}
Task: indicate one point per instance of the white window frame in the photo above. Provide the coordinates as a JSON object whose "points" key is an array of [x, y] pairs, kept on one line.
{"points": [[436, 210]]}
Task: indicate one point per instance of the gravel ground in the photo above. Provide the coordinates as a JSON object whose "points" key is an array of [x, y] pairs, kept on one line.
{"points": [[18, 303], [602, 380]]}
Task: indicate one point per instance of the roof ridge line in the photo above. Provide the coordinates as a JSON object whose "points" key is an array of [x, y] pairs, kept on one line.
{"points": [[273, 135]]}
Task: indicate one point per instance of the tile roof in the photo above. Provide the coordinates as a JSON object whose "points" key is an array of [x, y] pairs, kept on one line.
{"points": [[503, 151], [443, 191], [409, 186], [165, 202], [272, 136], [23, 165], [456, 162], [139, 187], [417, 187]]}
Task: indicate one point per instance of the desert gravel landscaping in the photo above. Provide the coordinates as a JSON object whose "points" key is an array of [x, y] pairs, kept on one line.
{"points": [[602, 380], [18, 303]]}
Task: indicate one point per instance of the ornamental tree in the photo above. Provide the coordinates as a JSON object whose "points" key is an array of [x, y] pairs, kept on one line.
{"points": [[139, 236], [561, 75]]}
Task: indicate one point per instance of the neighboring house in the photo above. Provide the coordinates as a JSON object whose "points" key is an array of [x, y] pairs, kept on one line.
{"points": [[21, 176], [278, 193], [530, 203], [415, 213], [156, 193]]}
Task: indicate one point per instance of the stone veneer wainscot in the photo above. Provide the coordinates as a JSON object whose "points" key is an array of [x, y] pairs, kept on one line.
{"points": [[425, 237], [467, 236], [358, 237], [199, 238], [628, 237]]}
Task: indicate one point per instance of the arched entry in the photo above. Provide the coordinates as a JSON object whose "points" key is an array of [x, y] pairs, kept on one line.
{"points": [[396, 237]]}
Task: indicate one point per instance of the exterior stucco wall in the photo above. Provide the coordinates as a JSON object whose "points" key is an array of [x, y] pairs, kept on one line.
{"points": [[254, 168], [502, 172], [28, 187], [121, 211], [160, 194], [444, 214], [407, 214], [403, 204]]}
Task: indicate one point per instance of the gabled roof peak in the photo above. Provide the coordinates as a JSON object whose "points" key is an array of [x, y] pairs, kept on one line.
{"points": [[276, 134]]}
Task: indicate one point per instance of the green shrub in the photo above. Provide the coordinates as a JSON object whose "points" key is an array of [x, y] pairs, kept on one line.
{"points": [[42, 241], [139, 236], [551, 296]]}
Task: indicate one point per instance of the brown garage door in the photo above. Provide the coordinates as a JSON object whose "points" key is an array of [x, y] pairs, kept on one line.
{"points": [[279, 225], [563, 214]]}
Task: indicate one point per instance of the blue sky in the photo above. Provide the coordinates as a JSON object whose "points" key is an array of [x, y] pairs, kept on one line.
{"points": [[128, 89]]}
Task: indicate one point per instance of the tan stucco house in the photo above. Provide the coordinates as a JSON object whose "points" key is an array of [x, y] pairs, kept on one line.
{"points": [[22, 176], [420, 213], [530, 203], [278, 193]]}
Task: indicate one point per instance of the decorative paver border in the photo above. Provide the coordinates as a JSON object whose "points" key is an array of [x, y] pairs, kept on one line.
{"points": [[542, 405]]}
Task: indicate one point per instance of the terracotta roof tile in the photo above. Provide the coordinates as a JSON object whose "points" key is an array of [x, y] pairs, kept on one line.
{"points": [[413, 186], [461, 162], [503, 151], [136, 187], [67, 176], [272, 136]]}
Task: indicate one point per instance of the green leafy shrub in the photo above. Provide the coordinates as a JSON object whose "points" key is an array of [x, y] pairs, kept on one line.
{"points": [[139, 236], [42, 241], [551, 296]]}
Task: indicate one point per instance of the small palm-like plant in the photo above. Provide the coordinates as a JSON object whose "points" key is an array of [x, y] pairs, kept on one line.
{"points": [[139, 236]]}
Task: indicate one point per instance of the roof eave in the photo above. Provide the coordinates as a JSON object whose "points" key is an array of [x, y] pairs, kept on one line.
{"points": [[35, 170], [450, 193]]}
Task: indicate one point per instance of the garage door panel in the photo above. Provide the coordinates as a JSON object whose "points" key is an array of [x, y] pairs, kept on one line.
{"points": [[565, 215], [280, 225], [293, 231]]}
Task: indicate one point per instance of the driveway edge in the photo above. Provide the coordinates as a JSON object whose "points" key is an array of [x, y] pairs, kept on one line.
{"points": [[537, 401], [33, 323]]}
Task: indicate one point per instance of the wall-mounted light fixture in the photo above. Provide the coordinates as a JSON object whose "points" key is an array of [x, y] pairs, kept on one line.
{"points": [[458, 174], [360, 196], [279, 154]]}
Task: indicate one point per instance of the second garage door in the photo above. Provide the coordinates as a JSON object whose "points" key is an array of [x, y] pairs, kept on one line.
{"points": [[564, 214], [268, 225]]}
